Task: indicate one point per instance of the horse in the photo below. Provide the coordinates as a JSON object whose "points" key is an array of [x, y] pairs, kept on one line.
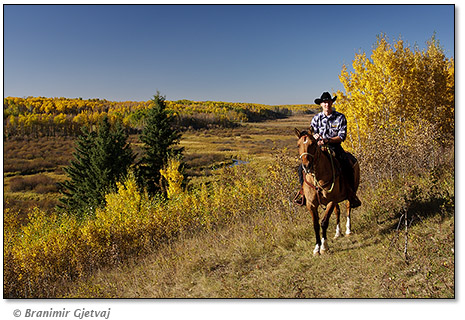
{"points": [[323, 185]]}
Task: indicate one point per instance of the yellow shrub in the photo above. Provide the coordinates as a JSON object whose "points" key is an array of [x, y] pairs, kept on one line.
{"points": [[51, 249], [173, 176]]}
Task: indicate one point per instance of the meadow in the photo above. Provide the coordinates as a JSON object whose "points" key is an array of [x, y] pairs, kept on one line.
{"points": [[233, 233], [33, 166]]}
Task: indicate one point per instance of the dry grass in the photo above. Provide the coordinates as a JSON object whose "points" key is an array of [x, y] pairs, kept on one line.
{"points": [[267, 253], [38, 183], [29, 156], [260, 259]]}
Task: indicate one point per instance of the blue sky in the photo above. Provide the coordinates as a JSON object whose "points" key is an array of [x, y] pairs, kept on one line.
{"points": [[271, 54]]}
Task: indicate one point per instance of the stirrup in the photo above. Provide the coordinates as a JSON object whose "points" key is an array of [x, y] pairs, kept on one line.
{"points": [[299, 198]]}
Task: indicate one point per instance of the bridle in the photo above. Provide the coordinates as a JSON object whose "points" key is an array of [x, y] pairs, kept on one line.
{"points": [[307, 171], [306, 153], [316, 186]]}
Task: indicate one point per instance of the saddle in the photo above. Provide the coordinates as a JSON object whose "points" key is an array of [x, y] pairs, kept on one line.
{"points": [[345, 168], [343, 156], [352, 160]]}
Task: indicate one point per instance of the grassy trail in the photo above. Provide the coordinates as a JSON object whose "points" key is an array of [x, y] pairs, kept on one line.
{"points": [[243, 261]]}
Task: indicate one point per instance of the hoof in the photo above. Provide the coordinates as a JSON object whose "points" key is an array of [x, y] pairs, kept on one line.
{"points": [[324, 247], [316, 251], [348, 233]]}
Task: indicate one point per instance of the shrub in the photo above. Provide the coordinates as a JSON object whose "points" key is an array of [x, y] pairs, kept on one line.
{"points": [[49, 188], [38, 183], [19, 184], [52, 249], [173, 176]]}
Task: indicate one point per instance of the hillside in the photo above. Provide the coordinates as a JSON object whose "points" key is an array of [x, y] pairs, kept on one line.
{"points": [[254, 260], [241, 237]]}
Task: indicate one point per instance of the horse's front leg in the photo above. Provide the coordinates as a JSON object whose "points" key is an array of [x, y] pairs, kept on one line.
{"points": [[348, 231], [337, 211], [325, 224], [313, 208]]}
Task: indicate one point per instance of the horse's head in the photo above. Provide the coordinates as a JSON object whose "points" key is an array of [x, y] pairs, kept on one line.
{"points": [[307, 146]]}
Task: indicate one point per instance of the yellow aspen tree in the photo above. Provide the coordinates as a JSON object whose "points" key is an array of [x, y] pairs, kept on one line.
{"points": [[395, 89]]}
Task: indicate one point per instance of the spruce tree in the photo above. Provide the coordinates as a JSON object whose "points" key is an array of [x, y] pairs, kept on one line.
{"points": [[101, 158], [159, 137], [77, 188]]}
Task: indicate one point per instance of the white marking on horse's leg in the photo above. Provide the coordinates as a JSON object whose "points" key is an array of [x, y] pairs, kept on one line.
{"points": [[348, 226], [316, 251], [324, 246], [338, 231]]}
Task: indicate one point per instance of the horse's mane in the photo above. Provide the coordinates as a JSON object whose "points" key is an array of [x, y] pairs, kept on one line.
{"points": [[303, 133]]}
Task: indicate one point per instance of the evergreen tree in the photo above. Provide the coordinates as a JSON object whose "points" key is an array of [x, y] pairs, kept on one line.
{"points": [[159, 137], [101, 159], [76, 189]]}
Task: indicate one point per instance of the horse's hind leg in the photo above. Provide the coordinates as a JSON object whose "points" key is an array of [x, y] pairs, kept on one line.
{"points": [[337, 211], [348, 231]]}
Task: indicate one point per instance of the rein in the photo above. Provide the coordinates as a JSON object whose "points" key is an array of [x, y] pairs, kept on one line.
{"points": [[316, 186]]}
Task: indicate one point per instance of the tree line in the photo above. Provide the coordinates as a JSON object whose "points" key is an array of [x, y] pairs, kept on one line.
{"points": [[41, 116]]}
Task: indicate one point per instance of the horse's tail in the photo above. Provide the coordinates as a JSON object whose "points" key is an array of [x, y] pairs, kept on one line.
{"points": [[356, 167]]}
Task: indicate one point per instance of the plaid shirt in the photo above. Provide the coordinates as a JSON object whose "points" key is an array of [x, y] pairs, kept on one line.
{"points": [[330, 127]]}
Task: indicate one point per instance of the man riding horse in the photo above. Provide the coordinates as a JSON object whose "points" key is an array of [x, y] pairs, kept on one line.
{"points": [[330, 130]]}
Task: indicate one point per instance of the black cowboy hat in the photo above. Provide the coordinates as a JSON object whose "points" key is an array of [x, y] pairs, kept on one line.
{"points": [[325, 97]]}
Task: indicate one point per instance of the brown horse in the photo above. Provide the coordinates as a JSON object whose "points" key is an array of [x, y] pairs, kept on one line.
{"points": [[323, 185]]}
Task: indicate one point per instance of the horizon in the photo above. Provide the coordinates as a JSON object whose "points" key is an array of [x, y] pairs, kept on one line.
{"points": [[141, 101]]}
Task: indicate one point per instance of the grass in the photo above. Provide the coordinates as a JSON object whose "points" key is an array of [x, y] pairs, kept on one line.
{"points": [[268, 254], [259, 259], [205, 150]]}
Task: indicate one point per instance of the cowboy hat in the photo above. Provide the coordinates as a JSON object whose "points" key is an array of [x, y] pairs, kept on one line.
{"points": [[325, 97]]}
